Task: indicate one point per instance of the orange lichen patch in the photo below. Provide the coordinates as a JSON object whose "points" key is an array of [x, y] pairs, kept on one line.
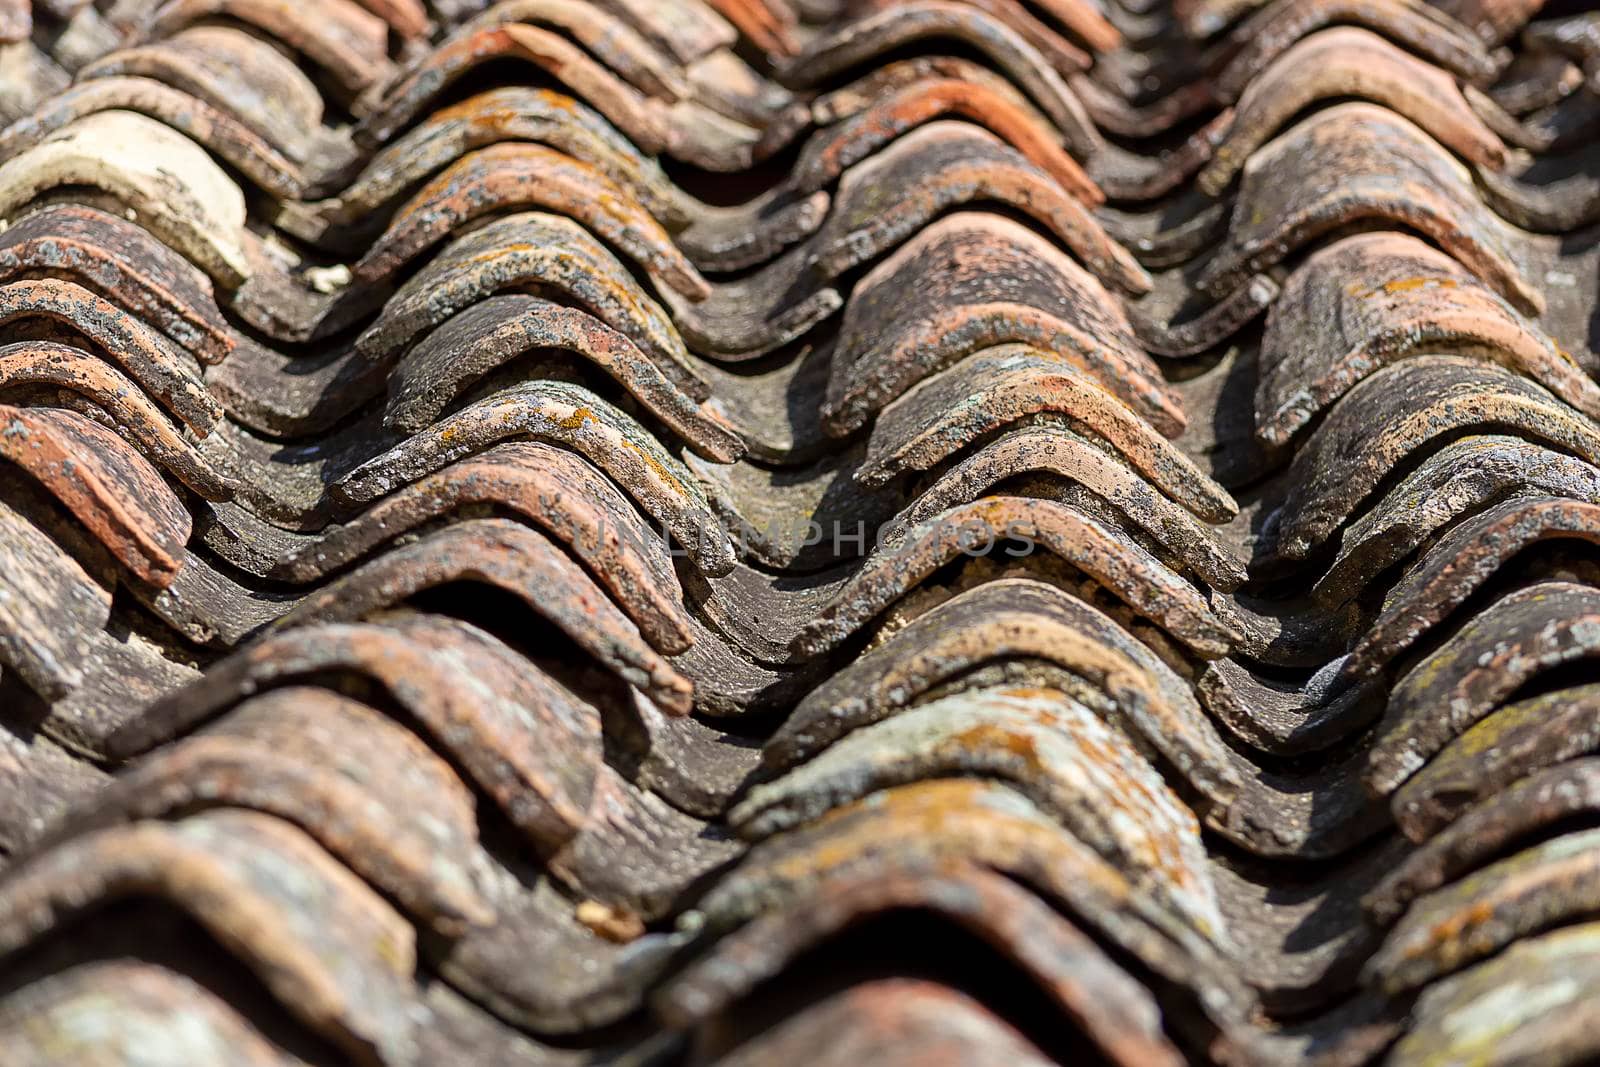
{"points": [[944, 820], [609, 923], [1401, 285], [1451, 928]]}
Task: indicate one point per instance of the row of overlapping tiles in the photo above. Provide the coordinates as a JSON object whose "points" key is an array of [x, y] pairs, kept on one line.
{"points": [[389, 347]]}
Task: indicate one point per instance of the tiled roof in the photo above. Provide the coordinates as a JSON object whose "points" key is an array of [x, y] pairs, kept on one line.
{"points": [[755, 532]]}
